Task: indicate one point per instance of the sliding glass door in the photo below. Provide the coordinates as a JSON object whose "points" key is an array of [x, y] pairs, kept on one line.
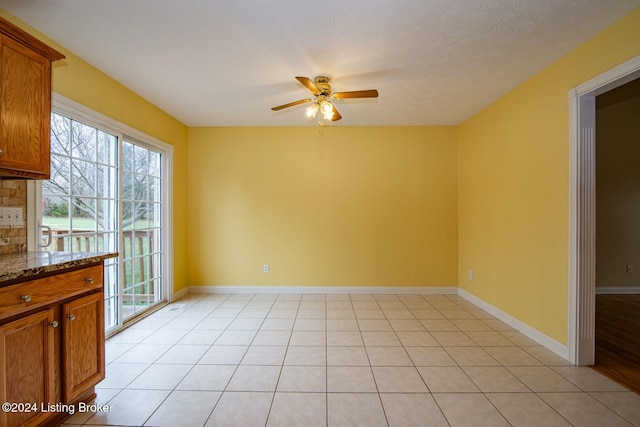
{"points": [[106, 194]]}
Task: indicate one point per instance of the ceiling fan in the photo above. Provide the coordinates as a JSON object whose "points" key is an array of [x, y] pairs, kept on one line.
{"points": [[322, 95]]}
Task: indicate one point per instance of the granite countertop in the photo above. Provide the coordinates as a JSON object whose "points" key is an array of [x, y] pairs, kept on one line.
{"points": [[27, 264]]}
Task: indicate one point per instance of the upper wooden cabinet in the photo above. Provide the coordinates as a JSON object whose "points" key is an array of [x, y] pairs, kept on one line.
{"points": [[25, 103]]}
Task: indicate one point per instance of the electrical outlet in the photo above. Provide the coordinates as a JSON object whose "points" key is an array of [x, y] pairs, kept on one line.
{"points": [[629, 268], [10, 216], [265, 268], [470, 274]]}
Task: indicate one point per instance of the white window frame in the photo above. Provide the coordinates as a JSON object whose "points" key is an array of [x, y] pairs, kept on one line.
{"points": [[73, 110]]}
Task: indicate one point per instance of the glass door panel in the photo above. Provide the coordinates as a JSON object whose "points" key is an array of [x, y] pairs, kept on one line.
{"points": [[79, 201], [141, 228]]}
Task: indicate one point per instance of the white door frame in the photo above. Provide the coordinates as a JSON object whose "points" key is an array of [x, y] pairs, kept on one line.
{"points": [[582, 207]]}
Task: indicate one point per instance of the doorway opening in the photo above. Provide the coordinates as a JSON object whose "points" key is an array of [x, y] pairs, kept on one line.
{"points": [[617, 323]]}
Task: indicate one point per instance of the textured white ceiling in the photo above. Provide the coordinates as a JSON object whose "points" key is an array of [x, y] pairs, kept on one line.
{"points": [[226, 63]]}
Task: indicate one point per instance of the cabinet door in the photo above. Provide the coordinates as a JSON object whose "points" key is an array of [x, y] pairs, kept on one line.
{"points": [[83, 344], [25, 106], [27, 367]]}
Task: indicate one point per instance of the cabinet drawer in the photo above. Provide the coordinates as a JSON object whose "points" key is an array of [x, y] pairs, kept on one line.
{"points": [[22, 297]]}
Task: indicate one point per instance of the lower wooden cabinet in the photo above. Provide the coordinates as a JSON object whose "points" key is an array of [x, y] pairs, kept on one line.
{"points": [[27, 369], [51, 356], [83, 344]]}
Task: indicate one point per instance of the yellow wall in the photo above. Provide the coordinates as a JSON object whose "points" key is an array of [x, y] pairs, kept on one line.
{"points": [[513, 162], [77, 80], [341, 206]]}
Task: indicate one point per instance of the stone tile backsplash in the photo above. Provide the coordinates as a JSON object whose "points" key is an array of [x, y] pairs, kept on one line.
{"points": [[13, 193]]}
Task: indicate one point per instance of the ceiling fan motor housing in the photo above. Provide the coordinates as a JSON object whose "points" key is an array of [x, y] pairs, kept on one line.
{"points": [[322, 83]]}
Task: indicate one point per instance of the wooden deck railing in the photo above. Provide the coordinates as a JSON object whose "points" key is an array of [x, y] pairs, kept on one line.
{"points": [[63, 241]]}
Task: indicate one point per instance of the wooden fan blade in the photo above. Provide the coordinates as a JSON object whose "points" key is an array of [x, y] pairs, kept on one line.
{"points": [[371, 93], [309, 85], [291, 104], [336, 115]]}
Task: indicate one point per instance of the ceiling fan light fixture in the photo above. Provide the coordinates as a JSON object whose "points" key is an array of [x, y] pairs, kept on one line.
{"points": [[326, 107], [312, 109]]}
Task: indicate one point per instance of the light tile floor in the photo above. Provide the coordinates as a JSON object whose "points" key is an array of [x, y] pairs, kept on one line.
{"points": [[344, 360]]}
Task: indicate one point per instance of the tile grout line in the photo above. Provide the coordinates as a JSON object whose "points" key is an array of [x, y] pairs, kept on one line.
{"points": [[275, 389], [194, 365]]}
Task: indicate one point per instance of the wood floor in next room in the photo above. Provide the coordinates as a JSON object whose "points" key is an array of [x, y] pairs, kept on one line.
{"points": [[344, 360], [618, 338]]}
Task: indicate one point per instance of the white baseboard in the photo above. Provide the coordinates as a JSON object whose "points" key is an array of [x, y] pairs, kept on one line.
{"points": [[180, 294], [617, 290], [403, 290], [539, 337]]}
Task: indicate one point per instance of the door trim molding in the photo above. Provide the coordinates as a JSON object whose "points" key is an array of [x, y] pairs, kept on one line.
{"points": [[582, 203]]}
